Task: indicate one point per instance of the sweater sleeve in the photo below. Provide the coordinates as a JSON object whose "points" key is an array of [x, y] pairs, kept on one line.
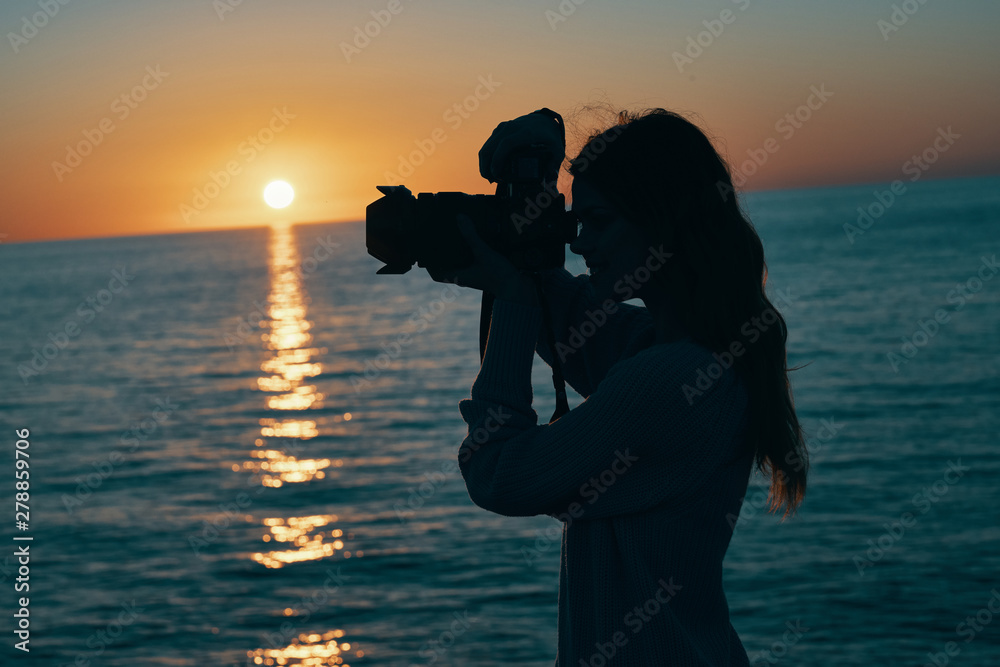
{"points": [[634, 443], [591, 335]]}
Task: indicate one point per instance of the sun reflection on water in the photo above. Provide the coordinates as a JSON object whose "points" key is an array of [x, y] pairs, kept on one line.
{"points": [[299, 428], [305, 539], [278, 457], [285, 375], [308, 649]]}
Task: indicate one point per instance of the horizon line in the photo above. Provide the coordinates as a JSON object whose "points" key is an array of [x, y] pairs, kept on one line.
{"points": [[172, 232]]}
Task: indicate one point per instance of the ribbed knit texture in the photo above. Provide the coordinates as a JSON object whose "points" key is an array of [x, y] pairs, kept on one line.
{"points": [[647, 485]]}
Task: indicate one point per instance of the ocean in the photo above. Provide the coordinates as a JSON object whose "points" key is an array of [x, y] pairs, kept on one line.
{"points": [[236, 458]]}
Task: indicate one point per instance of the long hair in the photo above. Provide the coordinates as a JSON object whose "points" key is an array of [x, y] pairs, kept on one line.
{"points": [[663, 174]]}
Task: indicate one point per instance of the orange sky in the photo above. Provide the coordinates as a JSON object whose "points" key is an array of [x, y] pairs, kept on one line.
{"points": [[180, 113]]}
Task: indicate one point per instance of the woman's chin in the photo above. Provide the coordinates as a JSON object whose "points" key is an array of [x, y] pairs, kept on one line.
{"points": [[601, 286]]}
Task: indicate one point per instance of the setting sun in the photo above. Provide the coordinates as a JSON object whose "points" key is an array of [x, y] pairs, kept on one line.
{"points": [[278, 194]]}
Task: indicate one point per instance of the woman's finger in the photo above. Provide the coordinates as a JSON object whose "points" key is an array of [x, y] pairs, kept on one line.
{"points": [[487, 151], [468, 230]]}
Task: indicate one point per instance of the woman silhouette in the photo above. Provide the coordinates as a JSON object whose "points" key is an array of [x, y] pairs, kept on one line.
{"points": [[683, 396]]}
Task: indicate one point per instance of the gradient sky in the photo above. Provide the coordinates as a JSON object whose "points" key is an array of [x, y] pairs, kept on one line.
{"points": [[346, 121]]}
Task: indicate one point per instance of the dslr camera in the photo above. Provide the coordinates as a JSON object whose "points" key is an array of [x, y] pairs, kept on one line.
{"points": [[526, 221]]}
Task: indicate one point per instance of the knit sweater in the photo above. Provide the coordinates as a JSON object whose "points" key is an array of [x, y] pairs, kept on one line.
{"points": [[644, 475]]}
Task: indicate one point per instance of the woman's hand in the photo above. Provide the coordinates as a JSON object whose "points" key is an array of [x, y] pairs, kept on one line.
{"points": [[490, 272]]}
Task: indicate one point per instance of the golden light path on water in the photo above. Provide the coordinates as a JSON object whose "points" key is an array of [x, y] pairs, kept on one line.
{"points": [[285, 382], [311, 649]]}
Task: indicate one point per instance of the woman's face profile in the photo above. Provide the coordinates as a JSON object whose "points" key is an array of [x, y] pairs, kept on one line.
{"points": [[612, 246]]}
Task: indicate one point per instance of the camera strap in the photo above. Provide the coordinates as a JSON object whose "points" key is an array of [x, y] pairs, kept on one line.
{"points": [[562, 405], [486, 316]]}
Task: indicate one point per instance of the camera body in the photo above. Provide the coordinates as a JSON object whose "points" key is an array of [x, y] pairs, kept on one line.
{"points": [[526, 221]]}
